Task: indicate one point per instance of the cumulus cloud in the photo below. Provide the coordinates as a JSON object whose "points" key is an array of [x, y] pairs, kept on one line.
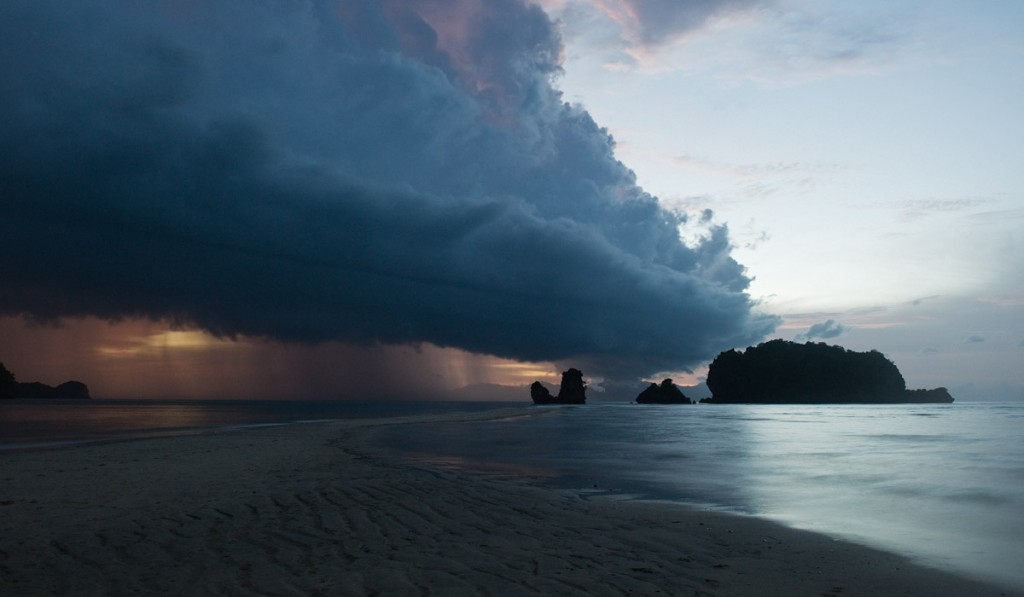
{"points": [[365, 171], [826, 329]]}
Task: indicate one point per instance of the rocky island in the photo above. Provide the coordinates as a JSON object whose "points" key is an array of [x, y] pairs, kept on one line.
{"points": [[664, 393], [572, 390], [783, 372], [11, 388]]}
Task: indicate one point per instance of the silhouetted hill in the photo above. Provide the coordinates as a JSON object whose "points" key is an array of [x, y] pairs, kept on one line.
{"points": [[11, 388], [783, 372], [68, 389], [666, 393]]}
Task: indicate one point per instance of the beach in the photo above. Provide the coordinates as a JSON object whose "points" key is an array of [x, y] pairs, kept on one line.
{"points": [[316, 509]]}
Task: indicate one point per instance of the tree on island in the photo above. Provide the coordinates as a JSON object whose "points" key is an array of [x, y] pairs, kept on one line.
{"points": [[572, 391], [783, 372], [8, 384]]}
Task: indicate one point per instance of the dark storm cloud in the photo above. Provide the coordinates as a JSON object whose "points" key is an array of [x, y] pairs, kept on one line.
{"points": [[363, 171], [826, 329]]}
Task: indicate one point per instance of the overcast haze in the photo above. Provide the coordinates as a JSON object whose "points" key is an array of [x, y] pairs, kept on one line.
{"points": [[866, 157], [355, 198]]}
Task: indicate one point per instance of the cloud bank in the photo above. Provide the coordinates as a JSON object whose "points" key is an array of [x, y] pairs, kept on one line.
{"points": [[389, 172]]}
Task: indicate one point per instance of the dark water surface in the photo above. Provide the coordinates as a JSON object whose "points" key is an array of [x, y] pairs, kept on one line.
{"points": [[47, 423]]}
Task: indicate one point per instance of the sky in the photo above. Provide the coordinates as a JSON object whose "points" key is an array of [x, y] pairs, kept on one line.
{"points": [[404, 199]]}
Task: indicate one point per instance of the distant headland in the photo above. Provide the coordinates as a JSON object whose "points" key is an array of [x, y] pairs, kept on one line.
{"points": [[572, 390], [11, 388], [664, 393], [777, 372], [783, 372]]}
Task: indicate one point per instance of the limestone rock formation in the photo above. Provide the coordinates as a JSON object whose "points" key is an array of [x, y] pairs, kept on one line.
{"points": [[540, 394], [572, 391]]}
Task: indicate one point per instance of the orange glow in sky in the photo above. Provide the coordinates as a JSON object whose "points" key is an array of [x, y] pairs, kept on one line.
{"points": [[146, 359]]}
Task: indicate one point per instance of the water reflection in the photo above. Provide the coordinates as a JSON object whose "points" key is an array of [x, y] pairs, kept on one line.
{"points": [[33, 422], [648, 451], [942, 483], [922, 483], [461, 464], [29, 422]]}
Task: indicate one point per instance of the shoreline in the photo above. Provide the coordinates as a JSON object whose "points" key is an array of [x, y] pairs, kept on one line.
{"points": [[315, 509]]}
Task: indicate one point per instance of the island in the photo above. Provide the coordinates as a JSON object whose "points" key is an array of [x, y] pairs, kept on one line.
{"points": [[572, 390], [664, 393], [784, 372], [10, 387]]}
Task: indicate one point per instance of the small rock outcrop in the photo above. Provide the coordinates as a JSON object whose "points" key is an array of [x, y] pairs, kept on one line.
{"points": [[938, 395], [540, 394], [665, 393], [572, 391]]}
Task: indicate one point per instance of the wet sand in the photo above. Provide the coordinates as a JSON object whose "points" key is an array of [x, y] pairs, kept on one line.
{"points": [[316, 510]]}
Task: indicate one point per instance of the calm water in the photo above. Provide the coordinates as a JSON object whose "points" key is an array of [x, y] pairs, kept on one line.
{"points": [[43, 423], [941, 483]]}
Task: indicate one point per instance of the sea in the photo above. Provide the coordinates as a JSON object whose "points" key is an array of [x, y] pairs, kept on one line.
{"points": [[42, 424], [940, 483]]}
